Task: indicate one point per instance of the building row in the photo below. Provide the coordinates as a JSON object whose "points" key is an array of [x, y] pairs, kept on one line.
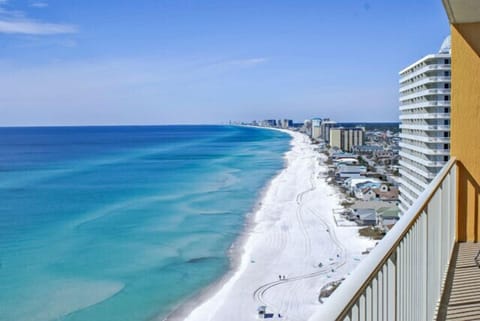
{"points": [[328, 132]]}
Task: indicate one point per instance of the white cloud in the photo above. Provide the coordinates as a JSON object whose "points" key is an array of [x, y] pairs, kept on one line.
{"points": [[234, 64], [15, 22], [249, 61], [38, 4], [32, 27]]}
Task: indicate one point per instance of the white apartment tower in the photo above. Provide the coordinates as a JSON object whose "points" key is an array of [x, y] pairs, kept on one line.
{"points": [[424, 122], [316, 129]]}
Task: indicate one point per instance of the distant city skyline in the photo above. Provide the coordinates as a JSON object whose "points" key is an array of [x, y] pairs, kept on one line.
{"points": [[183, 62]]}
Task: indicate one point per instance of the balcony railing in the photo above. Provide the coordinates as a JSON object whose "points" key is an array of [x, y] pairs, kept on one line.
{"points": [[424, 104], [425, 80], [424, 127], [423, 93], [427, 139], [425, 116], [408, 76], [403, 277]]}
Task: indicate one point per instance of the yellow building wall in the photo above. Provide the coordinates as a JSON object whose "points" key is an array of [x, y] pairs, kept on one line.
{"points": [[465, 127]]}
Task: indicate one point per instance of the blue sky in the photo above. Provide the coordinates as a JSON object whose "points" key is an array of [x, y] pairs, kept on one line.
{"points": [[160, 62]]}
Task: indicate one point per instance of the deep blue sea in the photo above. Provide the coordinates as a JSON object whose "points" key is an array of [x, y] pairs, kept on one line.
{"points": [[123, 223]]}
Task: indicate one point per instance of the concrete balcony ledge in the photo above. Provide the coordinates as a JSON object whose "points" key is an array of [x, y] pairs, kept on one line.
{"points": [[428, 175], [425, 162], [424, 93], [424, 104], [424, 69], [425, 116], [425, 127], [424, 81], [426, 139], [425, 150]]}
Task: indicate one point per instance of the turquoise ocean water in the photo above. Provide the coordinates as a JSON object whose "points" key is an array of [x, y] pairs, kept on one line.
{"points": [[123, 223]]}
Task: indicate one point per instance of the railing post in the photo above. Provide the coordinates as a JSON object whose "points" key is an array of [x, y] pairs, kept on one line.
{"points": [[402, 278]]}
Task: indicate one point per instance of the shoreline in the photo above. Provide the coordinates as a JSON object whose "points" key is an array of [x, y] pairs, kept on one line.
{"points": [[235, 252], [293, 214]]}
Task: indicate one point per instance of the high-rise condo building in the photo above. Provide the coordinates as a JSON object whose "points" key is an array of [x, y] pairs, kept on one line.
{"points": [[325, 127], [316, 129], [425, 122], [346, 138]]}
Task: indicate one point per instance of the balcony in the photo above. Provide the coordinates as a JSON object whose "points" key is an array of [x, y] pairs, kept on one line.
{"points": [[425, 127], [403, 278], [420, 171], [425, 116], [426, 139], [423, 93], [410, 187], [424, 69], [415, 179], [425, 104], [425, 150], [407, 192], [424, 81], [423, 161]]}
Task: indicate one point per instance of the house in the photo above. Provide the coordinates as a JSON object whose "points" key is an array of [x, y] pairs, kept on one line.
{"points": [[387, 217], [354, 185], [382, 192], [346, 161], [387, 193], [365, 216], [348, 171], [339, 154], [366, 194]]}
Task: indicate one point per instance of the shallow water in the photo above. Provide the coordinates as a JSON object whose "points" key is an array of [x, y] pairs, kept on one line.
{"points": [[123, 223]]}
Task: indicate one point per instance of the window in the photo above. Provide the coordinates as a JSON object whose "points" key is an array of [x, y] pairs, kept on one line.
{"points": [[446, 98], [447, 110], [446, 73], [446, 146], [445, 158], [447, 122], [446, 86], [446, 134], [447, 61]]}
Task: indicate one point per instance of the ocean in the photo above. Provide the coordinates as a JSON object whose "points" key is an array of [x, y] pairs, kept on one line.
{"points": [[123, 223]]}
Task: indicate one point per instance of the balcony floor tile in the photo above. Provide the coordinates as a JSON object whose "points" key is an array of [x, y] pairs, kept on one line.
{"points": [[461, 300]]}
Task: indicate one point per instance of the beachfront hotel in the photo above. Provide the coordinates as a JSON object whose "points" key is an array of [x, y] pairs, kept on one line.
{"points": [[346, 138], [325, 127], [426, 267], [425, 122], [316, 128]]}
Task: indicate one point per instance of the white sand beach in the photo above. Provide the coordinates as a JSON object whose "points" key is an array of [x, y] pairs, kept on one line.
{"points": [[293, 235]]}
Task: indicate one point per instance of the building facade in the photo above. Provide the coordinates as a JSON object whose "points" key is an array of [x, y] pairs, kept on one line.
{"points": [[325, 127], [425, 122], [346, 138], [316, 128]]}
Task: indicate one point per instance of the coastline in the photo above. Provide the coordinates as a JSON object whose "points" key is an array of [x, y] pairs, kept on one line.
{"points": [[293, 215], [235, 252]]}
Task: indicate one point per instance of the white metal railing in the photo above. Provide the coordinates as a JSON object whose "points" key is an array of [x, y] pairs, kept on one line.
{"points": [[424, 127], [425, 162], [424, 104], [423, 81], [421, 70], [425, 116], [427, 139], [402, 278]]}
